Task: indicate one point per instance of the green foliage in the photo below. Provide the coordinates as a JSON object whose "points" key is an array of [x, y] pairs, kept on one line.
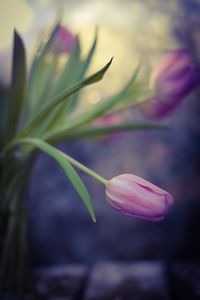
{"points": [[63, 161], [42, 105], [18, 86], [40, 117], [38, 109]]}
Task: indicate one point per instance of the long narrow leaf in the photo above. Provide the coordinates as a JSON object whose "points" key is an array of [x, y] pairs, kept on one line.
{"points": [[67, 75], [81, 73], [39, 69], [69, 171], [130, 83], [89, 57], [18, 86], [66, 79], [62, 97], [95, 131], [31, 91], [87, 116], [124, 96], [76, 71]]}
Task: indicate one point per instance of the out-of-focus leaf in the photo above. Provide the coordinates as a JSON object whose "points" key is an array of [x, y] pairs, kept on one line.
{"points": [[18, 86], [62, 97], [48, 44], [65, 80], [130, 83], [63, 161], [81, 73], [120, 98], [4, 101], [31, 93], [69, 71], [89, 57], [131, 93], [75, 70], [126, 95], [38, 76], [95, 131]]}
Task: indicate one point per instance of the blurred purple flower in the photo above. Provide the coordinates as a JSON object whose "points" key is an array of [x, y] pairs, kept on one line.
{"points": [[110, 119], [175, 77], [63, 39], [136, 197]]}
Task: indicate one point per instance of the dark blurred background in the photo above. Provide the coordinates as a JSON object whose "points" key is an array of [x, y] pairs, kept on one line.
{"points": [[59, 229]]}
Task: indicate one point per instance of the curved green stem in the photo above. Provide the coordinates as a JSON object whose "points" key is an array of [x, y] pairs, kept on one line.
{"points": [[86, 169], [69, 158]]}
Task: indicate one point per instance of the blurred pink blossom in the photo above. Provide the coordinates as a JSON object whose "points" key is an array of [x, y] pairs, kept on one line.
{"points": [[63, 39], [110, 119]]}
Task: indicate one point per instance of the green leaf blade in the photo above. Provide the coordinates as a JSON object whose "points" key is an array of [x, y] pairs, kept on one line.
{"points": [[95, 131], [66, 79], [62, 97], [122, 97], [38, 75], [72, 103], [69, 171], [18, 85], [90, 131], [69, 70]]}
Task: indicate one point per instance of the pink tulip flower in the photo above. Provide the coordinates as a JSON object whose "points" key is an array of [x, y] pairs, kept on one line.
{"points": [[63, 40], [136, 197], [175, 76]]}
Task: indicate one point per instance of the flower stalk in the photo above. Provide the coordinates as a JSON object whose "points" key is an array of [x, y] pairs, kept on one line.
{"points": [[86, 169]]}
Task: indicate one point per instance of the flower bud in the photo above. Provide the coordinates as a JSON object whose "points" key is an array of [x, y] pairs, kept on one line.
{"points": [[175, 77], [136, 197], [63, 39]]}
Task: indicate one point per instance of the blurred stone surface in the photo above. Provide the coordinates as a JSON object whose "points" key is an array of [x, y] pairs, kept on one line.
{"points": [[142, 280], [139, 281], [60, 282]]}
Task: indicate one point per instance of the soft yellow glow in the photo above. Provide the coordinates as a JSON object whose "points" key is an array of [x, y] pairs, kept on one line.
{"points": [[132, 33], [13, 14]]}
